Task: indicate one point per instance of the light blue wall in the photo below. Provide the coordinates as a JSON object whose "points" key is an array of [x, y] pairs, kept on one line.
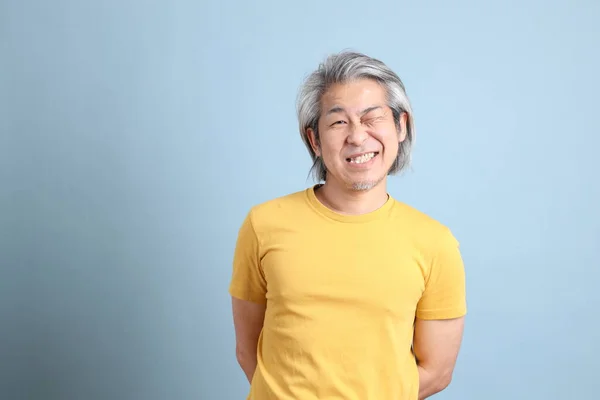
{"points": [[136, 135]]}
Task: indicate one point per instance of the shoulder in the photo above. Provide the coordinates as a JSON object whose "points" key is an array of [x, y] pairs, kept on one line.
{"points": [[282, 204], [429, 233], [283, 207]]}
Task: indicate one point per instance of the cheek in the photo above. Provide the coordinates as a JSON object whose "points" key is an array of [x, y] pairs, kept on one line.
{"points": [[388, 138], [393, 143], [391, 146], [330, 147]]}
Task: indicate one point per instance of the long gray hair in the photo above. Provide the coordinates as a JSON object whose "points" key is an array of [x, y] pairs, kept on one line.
{"points": [[345, 67]]}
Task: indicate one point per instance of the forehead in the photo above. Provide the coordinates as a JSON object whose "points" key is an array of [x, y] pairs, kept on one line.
{"points": [[354, 96]]}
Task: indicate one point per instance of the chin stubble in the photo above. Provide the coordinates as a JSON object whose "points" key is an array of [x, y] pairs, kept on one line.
{"points": [[365, 185], [362, 186]]}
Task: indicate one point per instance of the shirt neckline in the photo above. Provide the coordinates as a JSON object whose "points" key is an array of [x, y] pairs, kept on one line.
{"points": [[347, 218]]}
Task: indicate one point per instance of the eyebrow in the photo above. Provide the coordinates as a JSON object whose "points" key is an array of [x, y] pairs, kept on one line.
{"points": [[338, 109]]}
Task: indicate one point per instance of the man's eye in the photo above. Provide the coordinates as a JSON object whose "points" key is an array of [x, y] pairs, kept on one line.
{"points": [[338, 122], [373, 119]]}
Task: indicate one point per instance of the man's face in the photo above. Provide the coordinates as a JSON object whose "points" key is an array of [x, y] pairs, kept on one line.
{"points": [[358, 137]]}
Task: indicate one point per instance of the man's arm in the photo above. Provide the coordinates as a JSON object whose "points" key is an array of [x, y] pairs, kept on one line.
{"points": [[248, 318], [436, 345]]}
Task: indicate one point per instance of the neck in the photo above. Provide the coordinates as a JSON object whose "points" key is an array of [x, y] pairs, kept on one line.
{"points": [[352, 202]]}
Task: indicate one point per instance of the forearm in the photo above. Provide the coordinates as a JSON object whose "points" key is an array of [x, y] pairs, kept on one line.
{"points": [[430, 382], [435, 345], [248, 320]]}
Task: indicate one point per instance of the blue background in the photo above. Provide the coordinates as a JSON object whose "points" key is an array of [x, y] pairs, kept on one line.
{"points": [[135, 135]]}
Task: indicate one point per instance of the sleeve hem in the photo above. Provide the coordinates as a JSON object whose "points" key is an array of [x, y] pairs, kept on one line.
{"points": [[243, 294], [449, 313]]}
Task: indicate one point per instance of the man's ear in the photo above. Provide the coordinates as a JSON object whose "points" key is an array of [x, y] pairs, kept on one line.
{"points": [[314, 141], [402, 132]]}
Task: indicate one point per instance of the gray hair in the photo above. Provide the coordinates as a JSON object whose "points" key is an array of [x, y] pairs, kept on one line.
{"points": [[345, 67]]}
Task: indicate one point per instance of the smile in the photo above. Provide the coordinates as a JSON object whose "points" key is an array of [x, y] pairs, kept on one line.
{"points": [[362, 158]]}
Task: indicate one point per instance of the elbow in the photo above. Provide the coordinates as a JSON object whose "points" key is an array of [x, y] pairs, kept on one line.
{"points": [[247, 361], [244, 357], [444, 380], [240, 356], [433, 381]]}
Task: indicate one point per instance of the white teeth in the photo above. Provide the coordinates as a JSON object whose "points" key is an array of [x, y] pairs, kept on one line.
{"points": [[362, 159]]}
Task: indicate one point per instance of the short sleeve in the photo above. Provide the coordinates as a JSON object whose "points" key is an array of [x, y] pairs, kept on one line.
{"points": [[444, 296], [247, 279]]}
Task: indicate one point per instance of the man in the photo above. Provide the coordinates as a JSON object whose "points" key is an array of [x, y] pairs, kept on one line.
{"points": [[340, 291]]}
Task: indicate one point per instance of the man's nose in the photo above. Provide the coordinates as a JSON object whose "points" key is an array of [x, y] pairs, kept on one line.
{"points": [[357, 134]]}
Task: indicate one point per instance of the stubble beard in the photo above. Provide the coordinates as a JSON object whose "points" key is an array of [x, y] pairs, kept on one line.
{"points": [[363, 186]]}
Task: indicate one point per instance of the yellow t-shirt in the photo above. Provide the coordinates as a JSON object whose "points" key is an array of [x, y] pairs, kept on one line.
{"points": [[342, 293]]}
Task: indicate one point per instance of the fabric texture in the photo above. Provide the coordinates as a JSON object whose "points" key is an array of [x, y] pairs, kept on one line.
{"points": [[341, 294]]}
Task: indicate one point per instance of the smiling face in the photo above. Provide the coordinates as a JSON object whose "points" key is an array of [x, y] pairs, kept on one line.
{"points": [[358, 138]]}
